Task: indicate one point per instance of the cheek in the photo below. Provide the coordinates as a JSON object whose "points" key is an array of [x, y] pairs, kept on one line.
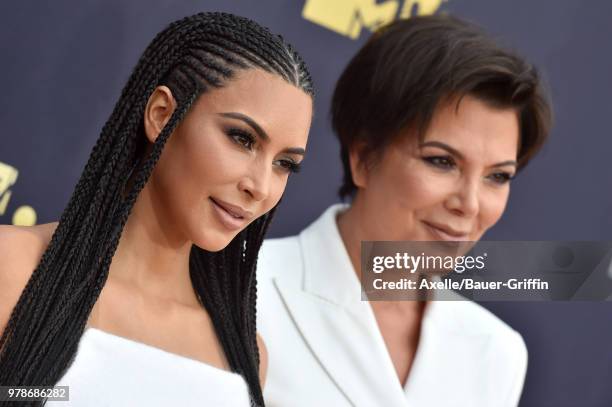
{"points": [[207, 162], [208, 157], [401, 194], [185, 172], [420, 188], [191, 168]]}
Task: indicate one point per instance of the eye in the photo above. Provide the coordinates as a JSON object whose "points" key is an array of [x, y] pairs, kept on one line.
{"points": [[443, 162], [289, 166], [241, 137], [501, 177]]}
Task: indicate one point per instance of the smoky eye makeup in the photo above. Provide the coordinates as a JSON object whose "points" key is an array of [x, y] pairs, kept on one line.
{"points": [[247, 140], [501, 177], [447, 163], [444, 162], [241, 137], [289, 165]]}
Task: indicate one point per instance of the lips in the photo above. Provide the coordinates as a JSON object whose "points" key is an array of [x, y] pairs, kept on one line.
{"points": [[231, 216], [443, 232]]}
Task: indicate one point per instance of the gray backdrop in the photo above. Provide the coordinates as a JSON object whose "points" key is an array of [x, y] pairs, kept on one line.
{"points": [[64, 64]]}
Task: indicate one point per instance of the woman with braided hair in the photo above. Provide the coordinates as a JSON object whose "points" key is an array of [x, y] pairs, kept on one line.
{"points": [[144, 292]]}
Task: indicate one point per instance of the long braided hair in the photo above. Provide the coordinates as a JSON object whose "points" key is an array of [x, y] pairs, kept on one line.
{"points": [[190, 56]]}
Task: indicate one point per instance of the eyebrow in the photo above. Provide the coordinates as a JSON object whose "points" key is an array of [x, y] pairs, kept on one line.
{"points": [[260, 132], [295, 150], [459, 155], [240, 116]]}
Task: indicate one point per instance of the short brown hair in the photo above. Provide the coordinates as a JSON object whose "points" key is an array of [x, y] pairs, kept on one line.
{"points": [[407, 68]]}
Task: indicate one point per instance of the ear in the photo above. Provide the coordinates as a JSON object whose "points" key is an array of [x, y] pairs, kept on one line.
{"points": [[158, 111], [359, 165]]}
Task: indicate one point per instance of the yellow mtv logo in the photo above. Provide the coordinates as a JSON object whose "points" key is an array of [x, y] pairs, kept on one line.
{"points": [[348, 17], [24, 215], [8, 176]]}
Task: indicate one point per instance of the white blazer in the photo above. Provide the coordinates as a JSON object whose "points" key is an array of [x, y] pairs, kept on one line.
{"points": [[325, 348]]}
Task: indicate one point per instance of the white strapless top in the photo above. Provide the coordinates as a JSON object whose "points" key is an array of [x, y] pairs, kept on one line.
{"points": [[113, 371]]}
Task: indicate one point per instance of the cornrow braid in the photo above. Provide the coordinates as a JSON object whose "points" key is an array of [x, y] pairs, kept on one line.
{"points": [[190, 56]]}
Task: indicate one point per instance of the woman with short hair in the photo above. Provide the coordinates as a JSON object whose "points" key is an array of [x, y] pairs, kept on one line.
{"points": [[434, 120]]}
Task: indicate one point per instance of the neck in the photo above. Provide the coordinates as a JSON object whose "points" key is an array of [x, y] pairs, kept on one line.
{"points": [[153, 255], [355, 225], [352, 233]]}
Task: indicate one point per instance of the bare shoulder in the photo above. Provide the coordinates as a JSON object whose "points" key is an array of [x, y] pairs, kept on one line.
{"points": [[21, 248], [263, 360], [23, 245]]}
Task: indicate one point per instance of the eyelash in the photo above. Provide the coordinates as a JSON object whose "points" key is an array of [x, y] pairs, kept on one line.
{"points": [[246, 140], [290, 166], [239, 137], [447, 163], [444, 162]]}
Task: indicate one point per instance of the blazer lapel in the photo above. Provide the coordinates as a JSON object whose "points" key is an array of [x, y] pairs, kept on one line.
{"points": [[339, 328], [448, 361]]}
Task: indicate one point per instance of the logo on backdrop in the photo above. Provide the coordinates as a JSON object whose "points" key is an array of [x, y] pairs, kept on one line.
{"points": [[349, 17], [24, 215]]}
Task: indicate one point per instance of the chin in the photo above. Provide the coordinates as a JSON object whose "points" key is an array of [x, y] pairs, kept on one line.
{"points": [[214, 243]]}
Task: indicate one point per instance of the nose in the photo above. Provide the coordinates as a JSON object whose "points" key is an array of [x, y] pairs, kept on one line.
{"points": [[256, 181], [465, 199]]}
